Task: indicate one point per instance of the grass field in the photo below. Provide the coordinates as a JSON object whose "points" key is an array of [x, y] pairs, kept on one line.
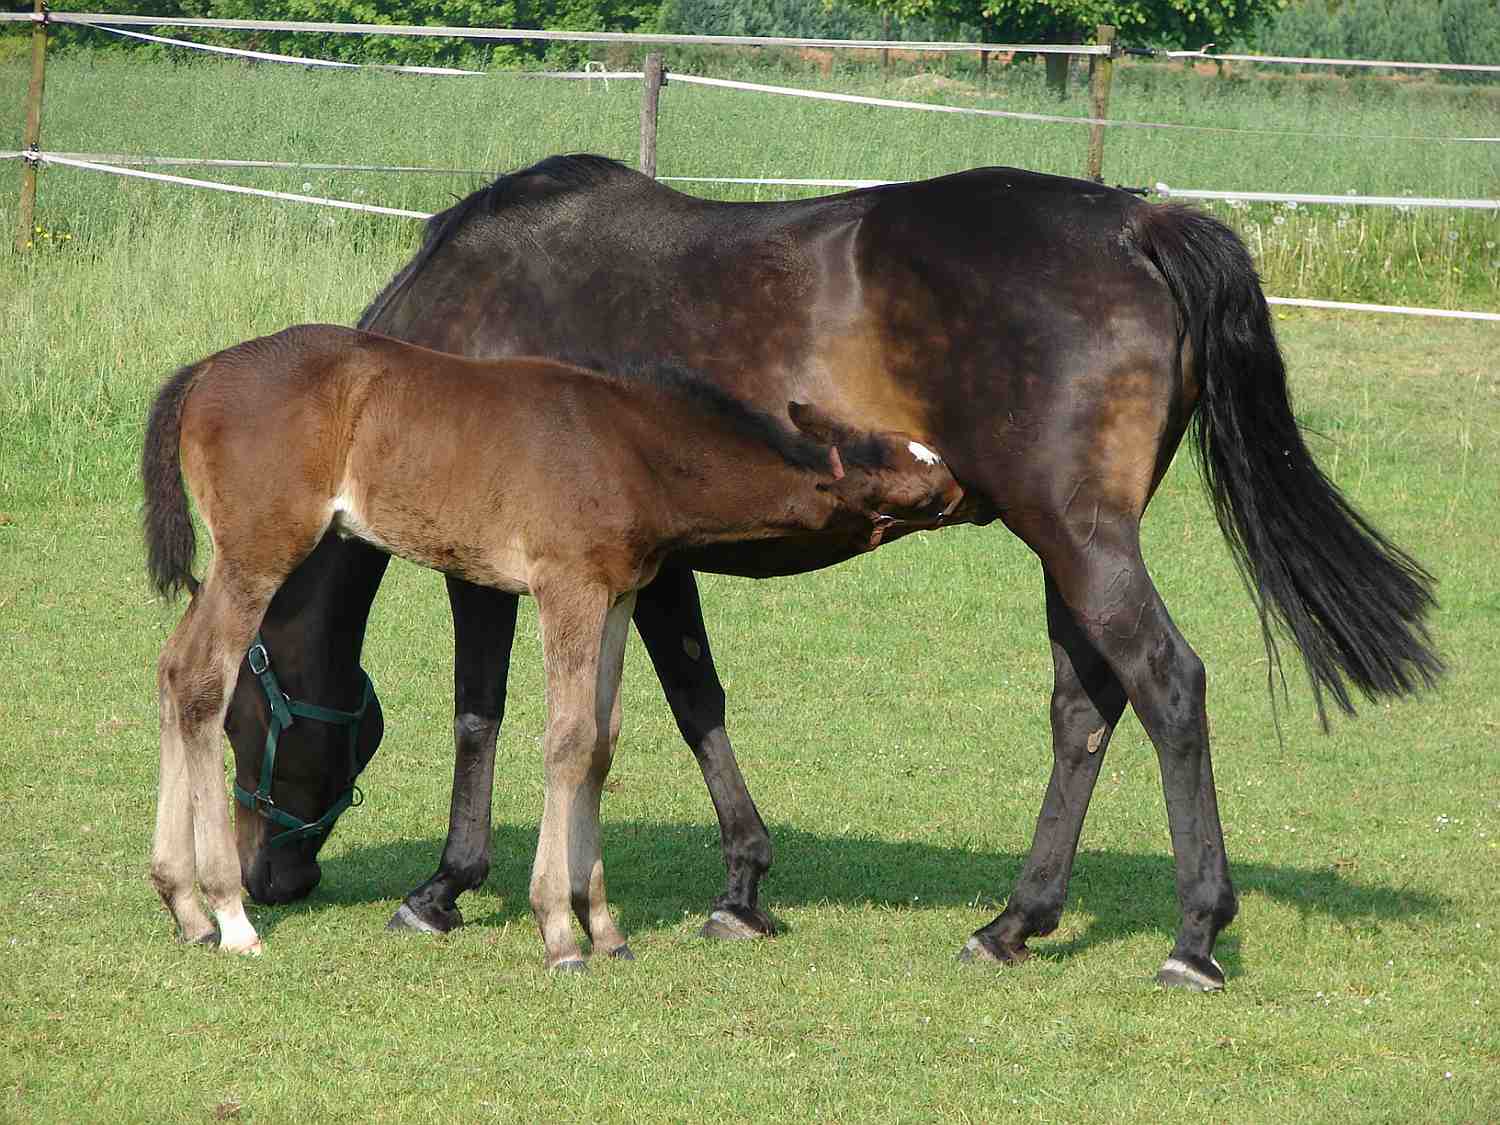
{"points": [[890, 716]]}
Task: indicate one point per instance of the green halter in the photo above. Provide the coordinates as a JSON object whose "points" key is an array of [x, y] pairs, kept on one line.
{"points": [[283, 709]]}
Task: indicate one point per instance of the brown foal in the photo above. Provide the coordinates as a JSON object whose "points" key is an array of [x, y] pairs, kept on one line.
{"points": [[527, 475]]}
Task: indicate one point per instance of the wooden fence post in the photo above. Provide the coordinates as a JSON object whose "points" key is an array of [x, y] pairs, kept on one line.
{"points": [[1101, 73], [33, 137], [655, 77]]}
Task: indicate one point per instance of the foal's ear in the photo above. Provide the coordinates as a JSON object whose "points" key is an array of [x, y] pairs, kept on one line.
{"points": [[822, 429], [816, 424]]}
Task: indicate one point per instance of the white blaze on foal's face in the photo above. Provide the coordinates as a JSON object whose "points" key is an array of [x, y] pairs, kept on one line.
{"points": [[922, 453]]}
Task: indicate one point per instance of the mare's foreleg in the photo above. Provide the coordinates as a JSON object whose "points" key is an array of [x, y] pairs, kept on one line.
{"points": [[484, 625], [1087, 702], [670, 621], [583, 644]]}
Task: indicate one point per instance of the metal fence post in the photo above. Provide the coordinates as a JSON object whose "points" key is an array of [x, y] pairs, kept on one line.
{"points": [[1101, 73], [655, 78], [33, 137]]}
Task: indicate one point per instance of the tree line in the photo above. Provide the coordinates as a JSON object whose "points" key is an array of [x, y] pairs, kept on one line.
{"points": [[1465, 31]]}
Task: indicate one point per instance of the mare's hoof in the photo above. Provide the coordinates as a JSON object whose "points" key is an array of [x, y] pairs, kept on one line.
{"points": [[1195, 975], [740, 923], [211, 938], [978, 951], [622, 953], [572, 965], [407, 920]]}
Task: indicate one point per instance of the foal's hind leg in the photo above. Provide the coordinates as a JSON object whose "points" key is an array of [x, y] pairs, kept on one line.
{"points": [[196, 675], [583, 644], [1102, 579], [1087, 702], [670, 621], [174, 858]]}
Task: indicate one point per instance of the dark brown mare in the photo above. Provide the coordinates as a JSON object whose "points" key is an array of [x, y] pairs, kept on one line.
{"points": [[521, 475], [1054, 338]]}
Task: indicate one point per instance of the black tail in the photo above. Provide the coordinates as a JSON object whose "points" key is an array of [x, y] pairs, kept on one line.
{"points": [[1352, 602], [170, 540]]}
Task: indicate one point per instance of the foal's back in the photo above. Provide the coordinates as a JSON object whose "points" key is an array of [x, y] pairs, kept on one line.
{"points": [[473, 467]]}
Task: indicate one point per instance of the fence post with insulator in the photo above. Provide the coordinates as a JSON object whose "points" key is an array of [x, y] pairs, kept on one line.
{"points": [[1101, 73], [655, 78], [33, 137]]}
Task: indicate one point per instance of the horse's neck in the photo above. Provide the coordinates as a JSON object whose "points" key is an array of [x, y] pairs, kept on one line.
{"points": [[729, 484]]}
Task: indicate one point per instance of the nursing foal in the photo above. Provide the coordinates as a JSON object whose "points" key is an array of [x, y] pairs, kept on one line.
{"points": [[527, 475]]}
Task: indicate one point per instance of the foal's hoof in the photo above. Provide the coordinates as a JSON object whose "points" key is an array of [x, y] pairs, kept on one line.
{"points": [[978, 951], [407, 920], [740, 923], [1195, 975], [572, 965], [622, 953]]}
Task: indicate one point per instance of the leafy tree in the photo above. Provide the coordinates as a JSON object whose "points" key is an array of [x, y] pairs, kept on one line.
{"points": [[1174, 23]]}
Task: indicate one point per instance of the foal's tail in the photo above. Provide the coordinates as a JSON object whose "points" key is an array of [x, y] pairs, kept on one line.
{"points": [[170, 540], [1352, 601]]}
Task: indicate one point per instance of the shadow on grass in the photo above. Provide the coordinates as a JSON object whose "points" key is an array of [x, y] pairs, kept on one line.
{"points": [[658, 870]]}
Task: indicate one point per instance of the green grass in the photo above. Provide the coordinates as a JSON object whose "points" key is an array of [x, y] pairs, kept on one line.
{"points": [[890, 716]]}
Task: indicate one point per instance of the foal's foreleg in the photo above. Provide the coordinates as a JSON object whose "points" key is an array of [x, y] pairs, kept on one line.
{"points": [[583, 644], [484, 626], [1087, 702], [670, 621]]}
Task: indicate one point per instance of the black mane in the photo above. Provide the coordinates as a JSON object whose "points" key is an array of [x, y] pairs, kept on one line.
{"points": [[569, 173], [794, 447]]}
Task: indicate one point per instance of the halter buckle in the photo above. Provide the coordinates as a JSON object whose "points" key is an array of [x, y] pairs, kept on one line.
{"points": [[265, 658]]}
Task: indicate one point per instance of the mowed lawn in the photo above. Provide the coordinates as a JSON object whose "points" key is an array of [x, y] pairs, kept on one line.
{"points": [[890, 716]]}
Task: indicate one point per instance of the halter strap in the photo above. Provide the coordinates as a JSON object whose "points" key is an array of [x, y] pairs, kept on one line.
{"points": [[283, 711]]}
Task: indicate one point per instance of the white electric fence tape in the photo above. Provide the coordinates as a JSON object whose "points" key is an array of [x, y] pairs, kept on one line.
{"points": [[935, 107], [1297, 60], [529, 33], [489, 33], [135, 173], [267, 56]]}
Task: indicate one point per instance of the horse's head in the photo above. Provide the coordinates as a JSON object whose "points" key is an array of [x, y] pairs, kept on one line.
{"points": [[291, 785], [892, 479]]}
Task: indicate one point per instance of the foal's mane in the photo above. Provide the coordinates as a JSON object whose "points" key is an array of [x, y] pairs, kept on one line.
{"points": [[860, 450], [571, 172]]}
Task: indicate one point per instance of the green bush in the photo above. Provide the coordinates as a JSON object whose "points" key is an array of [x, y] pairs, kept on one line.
{"points": [[1452, 31]]}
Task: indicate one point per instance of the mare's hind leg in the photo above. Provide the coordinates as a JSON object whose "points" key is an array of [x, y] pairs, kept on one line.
{"points": [[583, 644], [1102, 579], [196, 675], [670, 621], [484, 625], [1087, 702]]}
